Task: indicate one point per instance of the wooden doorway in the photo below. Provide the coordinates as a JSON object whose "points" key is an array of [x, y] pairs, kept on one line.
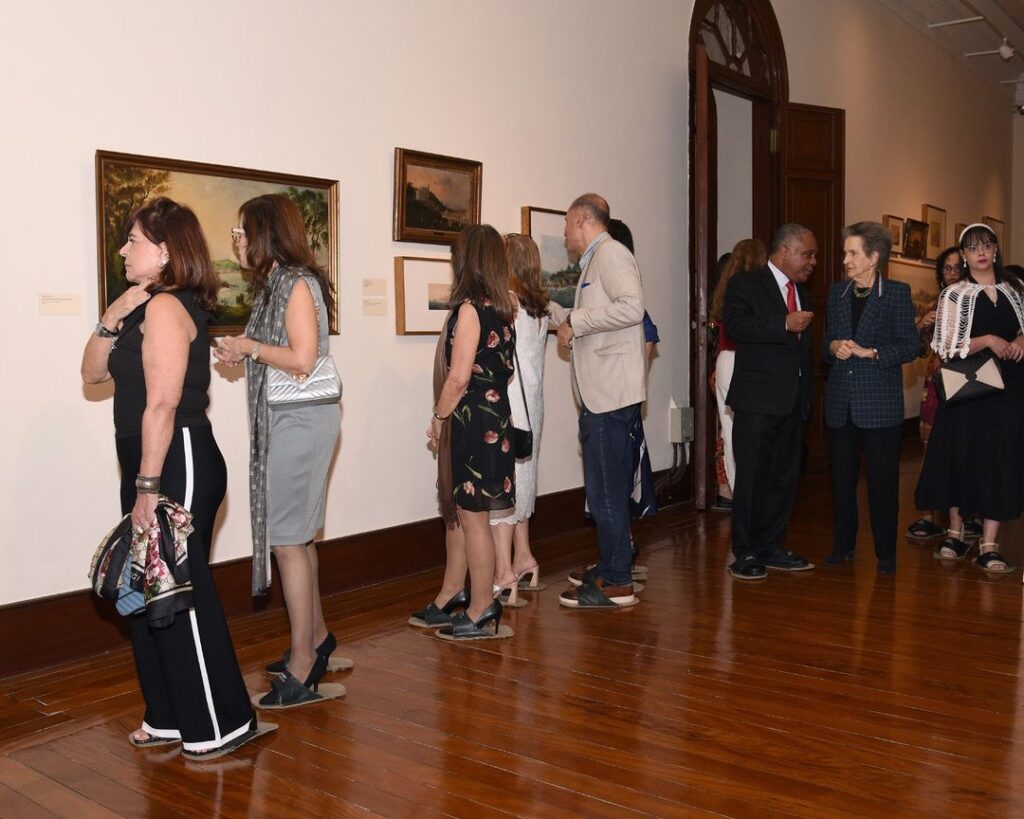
{"points": [[736, 47]]}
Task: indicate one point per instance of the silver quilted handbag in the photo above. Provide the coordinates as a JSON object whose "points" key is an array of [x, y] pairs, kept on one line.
{"points": [[322, 385]]}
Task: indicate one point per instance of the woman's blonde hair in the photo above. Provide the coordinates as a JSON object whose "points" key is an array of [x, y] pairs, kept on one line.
{"points": [[748, 254]]}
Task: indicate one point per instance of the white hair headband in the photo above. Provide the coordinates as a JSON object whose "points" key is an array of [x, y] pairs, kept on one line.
{"points": [[960, 241]]}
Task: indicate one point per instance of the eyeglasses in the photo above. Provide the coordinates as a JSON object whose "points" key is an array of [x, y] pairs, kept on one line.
{"points": [[950, 268], [237, 234], [984, 247]]}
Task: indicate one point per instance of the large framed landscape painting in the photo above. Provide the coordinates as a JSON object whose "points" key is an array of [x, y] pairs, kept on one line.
{"points": [[559, 269], [435, 196], [924, 291], [124, 182]]}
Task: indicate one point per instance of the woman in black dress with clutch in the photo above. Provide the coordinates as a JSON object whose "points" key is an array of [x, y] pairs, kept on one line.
{"points": [[975, 455], [153, 340]]}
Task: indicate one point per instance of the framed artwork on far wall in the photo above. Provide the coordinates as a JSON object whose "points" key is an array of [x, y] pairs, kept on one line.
{"points": [[915, 240], [559, 269], [960, 228], [894, 224], [924, 291], [935, 218], [422, 289], [124, 182], [435, 196], [999, 228]]}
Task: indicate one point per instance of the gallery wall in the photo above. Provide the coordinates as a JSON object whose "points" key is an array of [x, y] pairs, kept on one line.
{"points": [[554, 98]]}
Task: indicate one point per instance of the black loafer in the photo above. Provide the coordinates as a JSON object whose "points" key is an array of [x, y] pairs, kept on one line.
{"points": [[887, 565], [839, 558], [785, 561], [722, 504], [749, 570]]}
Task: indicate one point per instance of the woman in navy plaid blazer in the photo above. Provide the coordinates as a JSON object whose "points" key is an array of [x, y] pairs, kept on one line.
{"points": [[869, 334]]}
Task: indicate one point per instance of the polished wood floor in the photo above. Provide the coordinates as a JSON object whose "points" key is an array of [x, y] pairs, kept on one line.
{"points": [[831, 693]]}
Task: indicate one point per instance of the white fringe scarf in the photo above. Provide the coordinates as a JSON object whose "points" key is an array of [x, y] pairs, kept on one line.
{"points": [[955, 315]]}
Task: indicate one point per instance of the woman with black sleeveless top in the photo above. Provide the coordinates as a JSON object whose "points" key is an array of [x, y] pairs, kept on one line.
{"points": [[153, 341]]}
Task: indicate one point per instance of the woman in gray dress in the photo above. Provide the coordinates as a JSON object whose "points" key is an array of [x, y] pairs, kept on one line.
{"points": [[290, 448]]}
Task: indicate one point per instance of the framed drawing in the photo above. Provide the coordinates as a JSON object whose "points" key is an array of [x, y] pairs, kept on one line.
{"points": [[422, 288], [559, 269], [435, 196], [935, 218], [894, 224], [915, 239], [924, 291], [124, 182], [999, 228]]}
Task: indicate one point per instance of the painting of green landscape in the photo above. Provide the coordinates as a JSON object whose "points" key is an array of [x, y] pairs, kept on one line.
{"points": [[214, 193]]}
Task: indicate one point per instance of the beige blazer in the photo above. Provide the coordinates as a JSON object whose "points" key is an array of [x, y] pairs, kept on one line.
{"points": [[607, 359]]}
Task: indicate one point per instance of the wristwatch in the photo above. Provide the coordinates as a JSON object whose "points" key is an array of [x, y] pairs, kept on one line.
{"points": [[103, 332]]}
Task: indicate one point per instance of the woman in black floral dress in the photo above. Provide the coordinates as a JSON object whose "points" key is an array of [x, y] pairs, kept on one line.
{"points": [[473, 404]]}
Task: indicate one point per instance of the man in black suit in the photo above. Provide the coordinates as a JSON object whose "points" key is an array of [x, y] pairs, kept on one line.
{"points": [[770, 396]]}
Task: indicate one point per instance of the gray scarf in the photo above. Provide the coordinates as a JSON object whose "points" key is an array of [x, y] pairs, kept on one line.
{"points": [[266, 325]]}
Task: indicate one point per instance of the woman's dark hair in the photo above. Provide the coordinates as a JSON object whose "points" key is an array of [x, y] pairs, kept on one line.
{"points": [[940, 265], [749, 254], [480, 270], [875, 238], [188, 266], [620, 232], [524, 274], [983, 233], [275, 232]]}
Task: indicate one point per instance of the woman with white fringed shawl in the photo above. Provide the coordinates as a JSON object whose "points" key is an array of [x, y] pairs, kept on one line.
{"points": [[975, 455]]}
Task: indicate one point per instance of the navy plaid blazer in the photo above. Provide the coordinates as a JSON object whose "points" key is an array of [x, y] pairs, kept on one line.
{"points": [[869, 391]]}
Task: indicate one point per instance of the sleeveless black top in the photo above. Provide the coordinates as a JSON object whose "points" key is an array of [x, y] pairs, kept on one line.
{"points": [[125, 367]]}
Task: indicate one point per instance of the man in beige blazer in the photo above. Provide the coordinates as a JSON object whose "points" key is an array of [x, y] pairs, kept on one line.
{"points": [[604, 331]]}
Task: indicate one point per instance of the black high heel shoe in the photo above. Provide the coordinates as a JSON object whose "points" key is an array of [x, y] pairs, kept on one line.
{"points": [[287, 692], [430, 616], [325, 649], [462, 628]]}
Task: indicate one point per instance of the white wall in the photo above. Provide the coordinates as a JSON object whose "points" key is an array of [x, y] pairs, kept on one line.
{"points": [[1015, 225], [735, 170], [327, 89], [920, 126]]}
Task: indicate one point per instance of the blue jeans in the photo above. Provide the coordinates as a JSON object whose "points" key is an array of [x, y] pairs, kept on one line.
{"points": [[608, 481]]}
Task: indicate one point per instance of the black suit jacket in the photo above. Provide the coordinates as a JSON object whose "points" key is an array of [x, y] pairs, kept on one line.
{"points": [[773, 366]]}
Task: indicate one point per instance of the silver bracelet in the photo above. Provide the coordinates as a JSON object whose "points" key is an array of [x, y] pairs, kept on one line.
{"points": [[146, 485]]}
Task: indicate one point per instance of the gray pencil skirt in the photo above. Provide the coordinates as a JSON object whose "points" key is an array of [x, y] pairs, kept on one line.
{"points": [[300, 450]]}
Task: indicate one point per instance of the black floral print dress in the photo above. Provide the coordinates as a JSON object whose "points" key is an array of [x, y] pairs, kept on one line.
{"points": [[483, 463]]}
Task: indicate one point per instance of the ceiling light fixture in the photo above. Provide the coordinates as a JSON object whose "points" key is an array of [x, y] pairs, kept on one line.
{"points": [[1005, 51]]}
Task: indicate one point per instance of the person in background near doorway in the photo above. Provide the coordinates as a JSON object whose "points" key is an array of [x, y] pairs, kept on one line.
{"points": [[748, 254], [949, 270], [770, 396], [869, 335], [975, 454]]}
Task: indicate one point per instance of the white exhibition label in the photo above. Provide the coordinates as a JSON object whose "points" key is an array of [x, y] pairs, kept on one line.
{"points": [[60, 304]]}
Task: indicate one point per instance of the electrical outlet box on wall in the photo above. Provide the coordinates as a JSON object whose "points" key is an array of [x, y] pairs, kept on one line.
{"points": [[680, 425]]}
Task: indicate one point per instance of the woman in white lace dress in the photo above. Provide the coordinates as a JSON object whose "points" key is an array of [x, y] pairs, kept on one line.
{"points": [[531, 337]]}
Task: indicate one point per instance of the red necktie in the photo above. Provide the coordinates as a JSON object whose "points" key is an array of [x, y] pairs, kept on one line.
{"points": [[791, 297]]}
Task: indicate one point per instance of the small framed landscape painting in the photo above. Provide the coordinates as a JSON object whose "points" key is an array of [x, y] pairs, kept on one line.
{"points": [[894, 224], [559, 269], [435, 196], [124, 182], [915, 240], [935, 218], [422, 289]]}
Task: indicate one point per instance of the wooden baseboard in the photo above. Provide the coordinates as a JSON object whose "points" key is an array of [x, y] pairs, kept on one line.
{"points": [[46, 631]]}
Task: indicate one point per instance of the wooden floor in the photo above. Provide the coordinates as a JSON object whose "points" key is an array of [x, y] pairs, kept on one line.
{"points": [[832, 693]]}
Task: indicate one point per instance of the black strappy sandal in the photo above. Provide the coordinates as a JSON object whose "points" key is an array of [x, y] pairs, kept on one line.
{"points": [[923, 529], [955, 545], [986, 559], [463, 628], [430, 616]]}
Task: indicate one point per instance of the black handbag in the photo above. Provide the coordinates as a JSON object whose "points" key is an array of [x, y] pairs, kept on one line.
{"points": [[522, 439], [963, 379]]}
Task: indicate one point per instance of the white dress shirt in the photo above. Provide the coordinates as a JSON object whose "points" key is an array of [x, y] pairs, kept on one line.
{"points": [[783, 281]]}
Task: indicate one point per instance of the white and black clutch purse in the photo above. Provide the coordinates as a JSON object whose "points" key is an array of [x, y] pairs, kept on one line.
{"points": [[962, 379]]}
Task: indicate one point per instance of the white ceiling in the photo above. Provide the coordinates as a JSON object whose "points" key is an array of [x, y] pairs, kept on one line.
{"points": [[1003, 18]]}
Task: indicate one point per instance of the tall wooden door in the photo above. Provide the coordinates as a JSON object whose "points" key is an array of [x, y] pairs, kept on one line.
{"points": [[812, 194]]}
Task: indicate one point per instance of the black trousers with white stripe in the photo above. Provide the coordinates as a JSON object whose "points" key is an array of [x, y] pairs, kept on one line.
{"points": [[188, 672]]}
